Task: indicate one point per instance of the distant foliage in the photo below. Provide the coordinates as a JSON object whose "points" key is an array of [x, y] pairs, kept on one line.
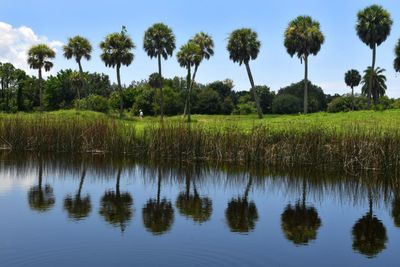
{"points": [[286, 104], [345, 103]]}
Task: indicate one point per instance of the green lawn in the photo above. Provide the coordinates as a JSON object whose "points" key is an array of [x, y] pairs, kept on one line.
{"points": [[384, 120]]}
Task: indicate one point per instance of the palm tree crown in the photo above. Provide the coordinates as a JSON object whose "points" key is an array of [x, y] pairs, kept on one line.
{"points": [[378, 80], [303, 37], [39, 57], [206, 44], [78, 47], [397, 59], [352, 78], [373, 25], [243, 45], [189, 55], [159, 40], [117, 49]]}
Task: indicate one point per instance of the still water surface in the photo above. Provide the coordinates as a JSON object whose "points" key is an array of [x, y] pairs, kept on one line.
{"points": [[101, 212]]}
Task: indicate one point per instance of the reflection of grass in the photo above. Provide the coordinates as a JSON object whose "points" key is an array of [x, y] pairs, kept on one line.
{"points": [[364, 139]]}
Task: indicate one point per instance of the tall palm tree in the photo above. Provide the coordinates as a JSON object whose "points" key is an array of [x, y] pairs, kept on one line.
{"points": [[373, 27], [39, 57], [396, 63], [159, 42], [188, 56], [78, 47], [243, 46], [376, 80], [241, 214], [206, 45], [78, 207], [352, 79], [303, 38], [116, 206], [117, 51]]}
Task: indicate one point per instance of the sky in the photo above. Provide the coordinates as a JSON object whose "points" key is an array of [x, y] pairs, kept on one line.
{"points": [[27, 22]]}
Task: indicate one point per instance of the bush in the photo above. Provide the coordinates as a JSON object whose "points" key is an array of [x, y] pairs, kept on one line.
{"points": [[93, 102], [396, 104], [345, 103], [286, 104], [245, 108]]}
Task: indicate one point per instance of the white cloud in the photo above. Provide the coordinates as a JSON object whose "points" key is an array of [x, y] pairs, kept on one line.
{"points": [[15, 42]]}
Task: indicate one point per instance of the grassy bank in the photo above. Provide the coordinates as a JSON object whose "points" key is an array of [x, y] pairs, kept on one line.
{"points": [[357, 140]]}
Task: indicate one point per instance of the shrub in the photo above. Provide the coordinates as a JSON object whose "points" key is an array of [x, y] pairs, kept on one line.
{"points": [[245, 108], [345, 103], [93, 102], [286, 104]]}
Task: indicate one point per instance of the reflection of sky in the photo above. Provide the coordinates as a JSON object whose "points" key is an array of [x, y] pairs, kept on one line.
{"points": [[8, 181]]}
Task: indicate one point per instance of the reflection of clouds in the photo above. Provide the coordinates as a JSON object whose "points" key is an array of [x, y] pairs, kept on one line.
{"points": [[9, 180]]}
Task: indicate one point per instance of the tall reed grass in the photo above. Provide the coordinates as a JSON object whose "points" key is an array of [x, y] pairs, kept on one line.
{"points": [[353, 148]]}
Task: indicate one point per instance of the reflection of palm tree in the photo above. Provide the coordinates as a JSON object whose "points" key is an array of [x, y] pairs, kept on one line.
{"points": [[77, 207], [158, 214], [369, 234], [241, 215], [396, 202], [299, 222], [41, 199], [116, 207], [192, 205]]}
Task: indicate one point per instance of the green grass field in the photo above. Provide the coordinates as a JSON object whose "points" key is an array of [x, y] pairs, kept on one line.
{"points": [[385, 121]]}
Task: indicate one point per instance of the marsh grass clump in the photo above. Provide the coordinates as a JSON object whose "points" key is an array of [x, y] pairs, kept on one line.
{"points": [[354, 147]]}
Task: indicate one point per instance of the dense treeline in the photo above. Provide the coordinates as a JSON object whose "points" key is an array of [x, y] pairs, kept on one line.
{"points": [[159, 95]]}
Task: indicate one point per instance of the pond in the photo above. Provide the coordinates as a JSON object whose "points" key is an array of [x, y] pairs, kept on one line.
{"points": [[100, 211]]}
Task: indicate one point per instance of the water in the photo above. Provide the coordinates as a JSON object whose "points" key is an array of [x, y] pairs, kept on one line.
{"points": [[99, 211]]}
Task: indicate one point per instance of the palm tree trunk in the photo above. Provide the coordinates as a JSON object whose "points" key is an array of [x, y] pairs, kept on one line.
{"points": [[161, 88], [352, 97], [305, 84], [371, 76], [78, 90], [40, 90], [121, 101], [259, 110]]}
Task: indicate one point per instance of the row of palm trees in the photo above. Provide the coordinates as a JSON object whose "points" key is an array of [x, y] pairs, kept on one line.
{"points": [[299, 222], [302, 38]]}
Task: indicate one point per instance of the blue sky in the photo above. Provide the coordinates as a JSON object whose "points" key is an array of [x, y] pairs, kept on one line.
{"points": [[55, 21]]}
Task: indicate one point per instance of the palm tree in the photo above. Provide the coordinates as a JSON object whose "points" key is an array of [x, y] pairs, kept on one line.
{"points": [[375, 80], [78, 208], [158, 214], [77, 80], [188, 56], [396, 63], [159, 41], [206, 45], [303, 38], [352, 79], [373, 27], [41, 198], [117, 51], [300, 223], [116, 206], [194, 206], [242, 215], [39, 57], [369, 233], [243, 46], [78, 47]]}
